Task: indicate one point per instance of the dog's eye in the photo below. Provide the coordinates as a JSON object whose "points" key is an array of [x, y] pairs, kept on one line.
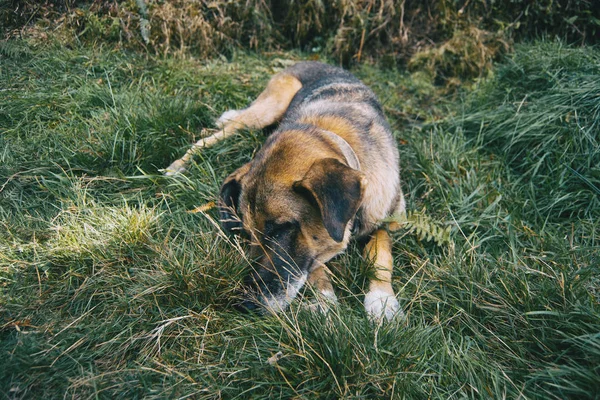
{"points": [[275, 230]]}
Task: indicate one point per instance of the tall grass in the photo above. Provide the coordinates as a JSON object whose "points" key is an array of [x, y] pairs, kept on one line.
{"points": [[547, 128], [111, 287]]}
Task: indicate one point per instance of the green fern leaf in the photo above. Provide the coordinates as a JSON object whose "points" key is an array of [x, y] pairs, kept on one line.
{"points": [[423, 227]]}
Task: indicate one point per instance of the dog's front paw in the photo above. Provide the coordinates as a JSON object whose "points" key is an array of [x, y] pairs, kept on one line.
{"points": [[226, 117], [379, 304], [323, 302]]}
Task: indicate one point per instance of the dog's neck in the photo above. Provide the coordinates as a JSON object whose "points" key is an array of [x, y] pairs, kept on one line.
{"points": [[345, 148]]}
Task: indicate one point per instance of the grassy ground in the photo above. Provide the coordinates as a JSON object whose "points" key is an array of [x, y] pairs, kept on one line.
{"points": [[111, 287]]}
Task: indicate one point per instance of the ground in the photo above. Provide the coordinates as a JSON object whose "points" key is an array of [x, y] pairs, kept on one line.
{"points": [[116, 281]]}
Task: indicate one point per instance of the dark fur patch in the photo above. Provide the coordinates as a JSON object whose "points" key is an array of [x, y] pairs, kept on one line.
{"points": [[337, 190]]}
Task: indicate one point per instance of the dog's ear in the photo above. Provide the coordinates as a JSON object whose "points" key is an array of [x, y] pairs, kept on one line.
{"points": [[229, 201], [337, 190]]}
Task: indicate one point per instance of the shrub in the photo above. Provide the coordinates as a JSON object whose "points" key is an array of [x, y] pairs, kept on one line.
{"points": [[449, 37]]}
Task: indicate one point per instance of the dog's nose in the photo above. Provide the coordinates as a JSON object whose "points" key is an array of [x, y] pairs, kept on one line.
{"points": [[246, 306]]}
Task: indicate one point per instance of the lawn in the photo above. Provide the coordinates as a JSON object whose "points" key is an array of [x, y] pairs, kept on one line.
{"points": [[116, 282]]}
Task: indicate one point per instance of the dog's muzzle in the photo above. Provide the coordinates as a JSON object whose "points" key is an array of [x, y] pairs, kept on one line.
{"points": [[272, 287]]}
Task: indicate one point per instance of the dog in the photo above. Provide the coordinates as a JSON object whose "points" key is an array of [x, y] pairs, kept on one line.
{"points": [[328, 172]]}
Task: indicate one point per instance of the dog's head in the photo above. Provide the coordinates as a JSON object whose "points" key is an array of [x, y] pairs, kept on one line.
{"points": [[296, 211]]}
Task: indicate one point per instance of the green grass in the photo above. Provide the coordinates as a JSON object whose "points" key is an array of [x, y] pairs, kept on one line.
{"points": [[110, 287]]}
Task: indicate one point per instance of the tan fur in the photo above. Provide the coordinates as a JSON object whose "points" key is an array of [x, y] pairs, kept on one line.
{"points": [[268, 108], [379, 251], [320, 280]]}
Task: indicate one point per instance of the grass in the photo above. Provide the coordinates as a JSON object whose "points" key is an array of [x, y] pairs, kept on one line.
{"points": [[110, 287]]}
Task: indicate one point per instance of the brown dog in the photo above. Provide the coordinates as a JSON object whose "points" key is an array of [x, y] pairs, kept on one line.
{"points": [[330, 171]]}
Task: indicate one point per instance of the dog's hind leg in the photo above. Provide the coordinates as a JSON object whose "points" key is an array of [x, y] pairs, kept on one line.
{"points": [[267, 109], [380, 300]]}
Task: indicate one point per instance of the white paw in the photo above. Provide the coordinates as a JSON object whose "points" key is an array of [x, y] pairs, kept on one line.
{"points": [[323, 302], [379, 303], [226, 117]]}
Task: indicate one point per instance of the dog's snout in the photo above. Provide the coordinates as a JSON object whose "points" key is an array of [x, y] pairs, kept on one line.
{"points": [[246, 306], [272, 285]]}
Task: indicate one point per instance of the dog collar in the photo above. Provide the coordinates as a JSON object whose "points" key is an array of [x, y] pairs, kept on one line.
{"points": [[347, 150]]}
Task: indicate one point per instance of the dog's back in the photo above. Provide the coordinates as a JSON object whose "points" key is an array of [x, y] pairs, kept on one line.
{"points": [[329, 86], [333, 99]]}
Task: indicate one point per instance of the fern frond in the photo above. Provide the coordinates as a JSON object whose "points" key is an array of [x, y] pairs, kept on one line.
{"points": [[13, 49], [423, 226]]}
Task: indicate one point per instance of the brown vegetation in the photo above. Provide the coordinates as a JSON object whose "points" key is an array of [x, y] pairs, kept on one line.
{"points": [[448, 38]]}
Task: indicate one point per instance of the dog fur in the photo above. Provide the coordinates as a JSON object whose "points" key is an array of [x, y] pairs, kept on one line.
{"points": [[329, 172]]}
